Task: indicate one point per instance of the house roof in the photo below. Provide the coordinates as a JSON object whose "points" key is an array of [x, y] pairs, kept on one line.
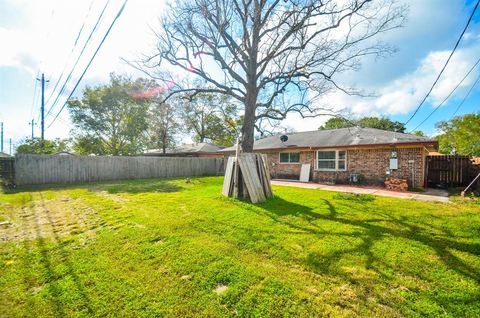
{"points": [[4, 155], [343, 137], [201, 147]]}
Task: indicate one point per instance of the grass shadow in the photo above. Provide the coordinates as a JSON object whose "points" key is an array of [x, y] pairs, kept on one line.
{"points": [[54, 289], [372, 229], [166, 186], [113, 186]]}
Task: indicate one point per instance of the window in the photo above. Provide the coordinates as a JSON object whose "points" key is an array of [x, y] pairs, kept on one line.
{"points": [[289, 157], [332, 160]]}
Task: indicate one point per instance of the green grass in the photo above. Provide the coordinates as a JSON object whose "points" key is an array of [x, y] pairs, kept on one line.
{"points": [[179, 249]]}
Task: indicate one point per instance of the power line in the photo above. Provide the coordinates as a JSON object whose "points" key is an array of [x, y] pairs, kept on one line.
{"points": [[42, 108], [83, 25], [33, 109], [448, 96], [466, 96], [64, 86], [70, 54], [46, 38], [446, 63], [91, 60]]}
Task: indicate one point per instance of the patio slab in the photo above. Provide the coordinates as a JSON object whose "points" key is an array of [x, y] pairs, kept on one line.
{"points": [[432, 195]]}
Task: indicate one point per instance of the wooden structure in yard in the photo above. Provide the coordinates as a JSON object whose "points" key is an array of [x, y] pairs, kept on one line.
{"points": [[247, 176], [448, 170]]}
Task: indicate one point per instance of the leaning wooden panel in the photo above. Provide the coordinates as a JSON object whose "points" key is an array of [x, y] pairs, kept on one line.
{"points": [[227, 180], [268, 184], [250, 175], [250, 186], [256, 172]]}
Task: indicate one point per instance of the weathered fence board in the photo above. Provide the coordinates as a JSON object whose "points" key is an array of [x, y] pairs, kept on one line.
{"points": [[45, 169], [7, 172], [448, 170]]}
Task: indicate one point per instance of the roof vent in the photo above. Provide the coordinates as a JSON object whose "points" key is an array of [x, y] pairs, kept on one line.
{"points": [[356, 140]]}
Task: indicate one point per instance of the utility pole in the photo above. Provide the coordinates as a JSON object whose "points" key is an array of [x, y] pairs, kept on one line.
{"points": [[42, 107], [33, 124], [10, 146], [1, 142]]}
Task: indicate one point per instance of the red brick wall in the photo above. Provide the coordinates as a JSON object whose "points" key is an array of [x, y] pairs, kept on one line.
{"points": [[288, 170], [372, 164]]}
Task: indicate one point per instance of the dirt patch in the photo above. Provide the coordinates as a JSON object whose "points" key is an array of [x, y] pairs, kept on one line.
{"points": [[55, 217], [220, 288], [111, 196]]}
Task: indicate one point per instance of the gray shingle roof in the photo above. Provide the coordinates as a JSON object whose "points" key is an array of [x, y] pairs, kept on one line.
{"points": [[343, 137]]}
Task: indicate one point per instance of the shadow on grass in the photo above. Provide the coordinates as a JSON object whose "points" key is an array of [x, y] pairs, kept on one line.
{"points": [[113, 186], [142, 187], [56, 292], [371, 230]]}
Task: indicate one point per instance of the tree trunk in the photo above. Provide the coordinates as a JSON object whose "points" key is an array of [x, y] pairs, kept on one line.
{"points": [[249, 121], [164, 144], [251, 89]]}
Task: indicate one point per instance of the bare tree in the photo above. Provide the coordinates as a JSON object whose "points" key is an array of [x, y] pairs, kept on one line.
{"points": [[274, 56]]}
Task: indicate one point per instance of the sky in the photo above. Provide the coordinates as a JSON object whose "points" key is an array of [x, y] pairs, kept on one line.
{"points": [[39, 37]]}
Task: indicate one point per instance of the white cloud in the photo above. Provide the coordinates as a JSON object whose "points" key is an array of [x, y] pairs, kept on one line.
{"points": [[402, 95], [399, 82], [44, 36]]}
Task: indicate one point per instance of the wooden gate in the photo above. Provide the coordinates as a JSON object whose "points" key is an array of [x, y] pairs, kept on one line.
{"points": [[448, 170]]}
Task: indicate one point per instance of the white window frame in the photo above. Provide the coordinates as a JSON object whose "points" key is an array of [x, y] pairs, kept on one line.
{"points": [[289, 163], [336, 160]]}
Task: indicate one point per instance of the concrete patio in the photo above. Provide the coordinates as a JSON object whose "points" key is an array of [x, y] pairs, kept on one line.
{"points": [[433, 195]]}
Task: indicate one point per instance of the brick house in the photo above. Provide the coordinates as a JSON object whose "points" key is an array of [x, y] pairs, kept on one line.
{"points": [[343, 155]]}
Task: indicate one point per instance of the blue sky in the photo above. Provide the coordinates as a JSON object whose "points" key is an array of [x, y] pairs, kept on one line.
{"points": [[38, 36]]}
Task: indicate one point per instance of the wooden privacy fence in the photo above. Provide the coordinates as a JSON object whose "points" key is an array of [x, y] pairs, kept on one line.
{"points": [[7, 172], [45, 169], [448, 170]]}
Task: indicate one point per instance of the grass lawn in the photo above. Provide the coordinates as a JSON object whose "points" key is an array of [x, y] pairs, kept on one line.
{"points": [[178, 248]]}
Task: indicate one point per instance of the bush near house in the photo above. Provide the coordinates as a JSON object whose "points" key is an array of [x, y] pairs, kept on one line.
{"points": [[177, 248]]}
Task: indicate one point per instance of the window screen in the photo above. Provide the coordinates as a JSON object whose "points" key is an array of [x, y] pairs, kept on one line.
{"points": [[289, 157]]}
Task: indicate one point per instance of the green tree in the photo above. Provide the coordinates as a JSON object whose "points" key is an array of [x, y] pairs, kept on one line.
{"points": [[112, 118], [460, 135], [164, 125], [383, 123], [337, 122], [88, 145], [211, 118], [47, 147], [419, 133]]}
